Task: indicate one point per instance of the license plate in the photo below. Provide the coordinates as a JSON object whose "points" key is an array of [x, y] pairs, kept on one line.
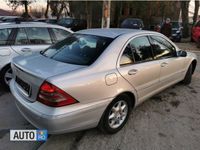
{"points": [[25, 86]]}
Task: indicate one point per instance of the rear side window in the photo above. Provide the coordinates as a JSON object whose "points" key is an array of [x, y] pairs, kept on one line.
{"points": [[21, 37], [162, 48], [37, 35], [78, 49], [137, 50], [4, 34], [60, 34], [141, 49]]}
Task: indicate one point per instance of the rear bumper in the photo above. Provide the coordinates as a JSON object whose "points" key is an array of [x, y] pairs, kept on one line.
{"points": [[60, 120]]}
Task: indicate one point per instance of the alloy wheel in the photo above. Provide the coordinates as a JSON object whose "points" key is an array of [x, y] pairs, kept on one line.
{"points": [[118, 114]]}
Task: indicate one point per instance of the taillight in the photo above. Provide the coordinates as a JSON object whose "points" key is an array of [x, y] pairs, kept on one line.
{"points": [[51, 95]]}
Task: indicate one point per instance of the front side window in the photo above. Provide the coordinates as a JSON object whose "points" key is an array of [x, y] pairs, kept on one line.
{"points": [[137, 50], [21, 37], [4, 34], [78, 49], [162, 48], [37, 35], [60, 34]]}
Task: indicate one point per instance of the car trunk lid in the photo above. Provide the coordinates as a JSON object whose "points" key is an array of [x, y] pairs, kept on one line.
{"points": [[32, 71]]}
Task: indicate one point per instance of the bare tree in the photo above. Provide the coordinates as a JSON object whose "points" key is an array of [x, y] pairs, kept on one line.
{"points": [[196, 10], [57, 7], [47, 9], [185, 19], [14, 4]]}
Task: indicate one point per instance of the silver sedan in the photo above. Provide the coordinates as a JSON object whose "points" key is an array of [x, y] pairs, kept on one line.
{"points": [[95, 77]]}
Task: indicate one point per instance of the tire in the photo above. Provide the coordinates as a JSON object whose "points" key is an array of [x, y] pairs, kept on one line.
{"points": [[5, 71], [198, 43], [118, 118], [191, 39], [179, 40], [188, 76]]}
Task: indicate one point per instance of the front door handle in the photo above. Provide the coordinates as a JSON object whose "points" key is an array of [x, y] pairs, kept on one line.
{"points": [[164, 64], [26, 50], [132, 72]]}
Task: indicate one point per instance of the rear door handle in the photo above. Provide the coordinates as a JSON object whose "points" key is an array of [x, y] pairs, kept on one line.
{"points": [[164, 64], [25, 50], [132, 72]]}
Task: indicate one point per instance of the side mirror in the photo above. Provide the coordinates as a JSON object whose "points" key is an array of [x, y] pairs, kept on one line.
{"points": [[182, 53]]}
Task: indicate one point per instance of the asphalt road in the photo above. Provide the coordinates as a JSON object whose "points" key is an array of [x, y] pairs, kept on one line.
{"points": [[168, 121]]}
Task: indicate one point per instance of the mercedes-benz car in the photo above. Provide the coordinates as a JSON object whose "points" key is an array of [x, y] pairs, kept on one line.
{"points": [[24, 38], [95, 77]]}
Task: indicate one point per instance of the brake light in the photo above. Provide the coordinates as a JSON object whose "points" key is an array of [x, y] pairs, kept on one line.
{"points": [[51, 95]]}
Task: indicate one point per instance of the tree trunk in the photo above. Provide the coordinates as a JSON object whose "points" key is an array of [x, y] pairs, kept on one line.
{"points": [[26, 9], [47, 9], [196, 10], [185, 19], [88, 13], [106, 14], [61, 10]]}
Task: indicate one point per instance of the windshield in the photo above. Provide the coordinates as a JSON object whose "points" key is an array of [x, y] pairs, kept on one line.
{"points": [[131, 23], [78, 49], [175, 24]]}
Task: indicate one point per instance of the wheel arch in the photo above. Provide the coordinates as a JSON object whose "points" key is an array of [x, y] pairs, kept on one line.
{"points": [[194, 64], [7, 65], [129, 94]]}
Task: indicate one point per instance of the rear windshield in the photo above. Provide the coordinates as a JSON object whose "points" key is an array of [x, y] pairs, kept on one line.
{"points": [[64, 21], [79, 49]]}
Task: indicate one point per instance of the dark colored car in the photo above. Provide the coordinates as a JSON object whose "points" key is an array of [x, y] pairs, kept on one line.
{"points": [[195, 34], [51, 21], [73, 24], [132, 23], [176, 31], [40, 20], [11, 19]]}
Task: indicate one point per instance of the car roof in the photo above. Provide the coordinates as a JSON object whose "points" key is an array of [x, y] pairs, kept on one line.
{"points": [[110, 32], [30, 24]]}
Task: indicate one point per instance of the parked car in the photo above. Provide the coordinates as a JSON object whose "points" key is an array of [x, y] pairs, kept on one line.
{"points": [[195, 34], [176, 31], [73, 24], [95, 77], [11, 18], [52, 21], [132, 23], [46, 20], [25, 38], [40, 20]]}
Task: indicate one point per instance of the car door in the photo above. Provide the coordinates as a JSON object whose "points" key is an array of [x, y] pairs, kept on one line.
{"points": [[5, 34], [5, 49], [138, 67], [31, 40], [172, 66]]}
